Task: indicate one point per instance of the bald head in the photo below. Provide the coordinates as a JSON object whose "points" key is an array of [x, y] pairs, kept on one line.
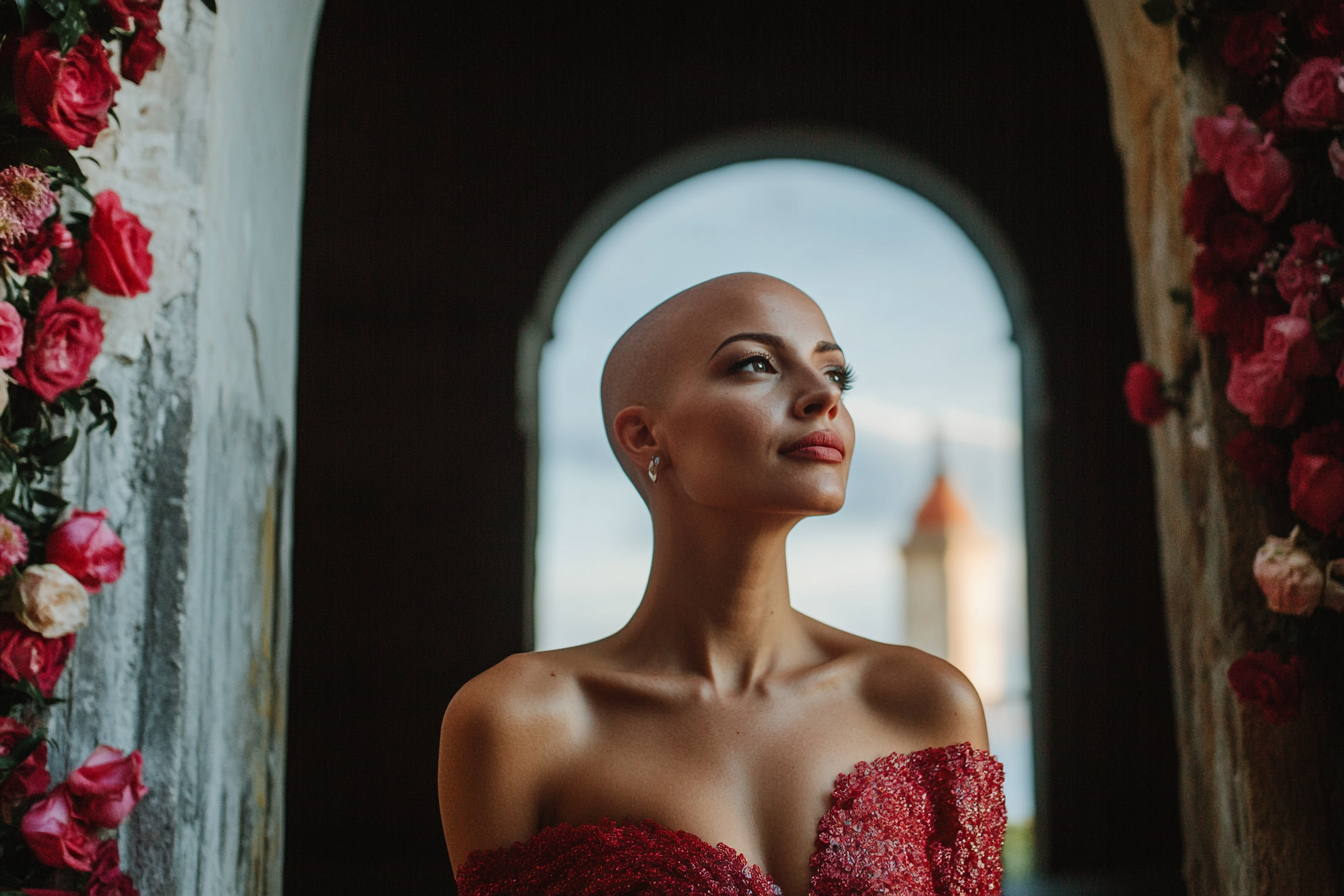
{"points": [[648, 359]]}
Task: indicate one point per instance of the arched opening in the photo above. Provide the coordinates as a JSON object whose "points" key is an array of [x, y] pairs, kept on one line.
{"points": [[924, 318]]}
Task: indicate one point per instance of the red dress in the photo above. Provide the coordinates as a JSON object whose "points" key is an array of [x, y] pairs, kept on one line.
{"points": [[913, 824]]}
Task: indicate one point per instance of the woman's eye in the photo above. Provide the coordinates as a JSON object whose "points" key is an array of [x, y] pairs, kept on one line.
{"points": [[755, 364], [842, 377]]}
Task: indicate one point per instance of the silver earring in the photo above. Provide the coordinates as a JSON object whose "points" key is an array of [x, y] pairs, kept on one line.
{"points": [[653, 468]]}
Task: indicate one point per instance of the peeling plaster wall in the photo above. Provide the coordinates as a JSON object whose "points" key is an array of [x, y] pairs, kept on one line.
{"points": [[186, 656]]}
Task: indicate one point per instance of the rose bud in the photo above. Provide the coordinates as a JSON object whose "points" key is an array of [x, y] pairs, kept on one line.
{"points": [[108, 879], [106, 787], [30, 778], [1143, 394], [50, 601], [1260, 178], [1288, 575], [1265, 679], [56, 836], [67, 95], [27, 656], [117, 254], [87, 548], [1219, 137], [69, 335], [141, 55]]}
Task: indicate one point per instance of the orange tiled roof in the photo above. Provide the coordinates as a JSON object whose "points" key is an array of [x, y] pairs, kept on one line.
{"points": [[942, 508]]}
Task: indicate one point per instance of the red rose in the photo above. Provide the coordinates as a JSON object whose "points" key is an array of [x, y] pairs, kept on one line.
{"points": [[108, 878], [1266, 679], [30, 778], [1222, 309], [69, 335], [56, 837], [1300, 274], [27, 656], [87, 548], [1251, 42], [66, 96], [1323, 22], [1260, 178], [143, 53], [1205, 198], [1238, 240], [1268, 385], [106, 787], [117, 253], [146, 12], [1143, 393], [1312, 99], [1260, 460], [1316, 477]]}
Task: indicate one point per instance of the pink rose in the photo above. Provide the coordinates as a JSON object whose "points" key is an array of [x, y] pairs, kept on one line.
{"points": [[1288, 575], [69, 335], [106, 787], [1312, 99], [1316, 477], [13, 544], [117, 254], [67, 95], [30, 777], [1268, 386], [1260, 178], [87, 548], [1217, 138], [1265, 679], [11, 335], [1300, 273], [1143, 394], [56, 836]]}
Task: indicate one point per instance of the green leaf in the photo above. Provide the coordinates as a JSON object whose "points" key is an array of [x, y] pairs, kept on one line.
{"points": [[70, 27], [39, 150], [54, 8], [49, 499], [1160, 12], [56, 451], [210, 5], [23, 6]]}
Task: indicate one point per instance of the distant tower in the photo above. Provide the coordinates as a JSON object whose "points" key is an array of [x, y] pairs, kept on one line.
{"points": [[954, 590]]}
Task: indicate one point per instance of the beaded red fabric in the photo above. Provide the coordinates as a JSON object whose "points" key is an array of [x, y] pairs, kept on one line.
{"points": [[928, 823]]}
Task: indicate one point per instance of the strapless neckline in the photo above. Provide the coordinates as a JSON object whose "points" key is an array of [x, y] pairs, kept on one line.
{"points": [[854, 793]]}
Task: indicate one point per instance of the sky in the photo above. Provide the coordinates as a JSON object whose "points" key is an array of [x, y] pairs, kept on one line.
{"points": [[921, 319]]}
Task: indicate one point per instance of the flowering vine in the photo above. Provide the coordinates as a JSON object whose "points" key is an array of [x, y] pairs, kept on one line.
{"points": [[1267, 286], [58, 242]]}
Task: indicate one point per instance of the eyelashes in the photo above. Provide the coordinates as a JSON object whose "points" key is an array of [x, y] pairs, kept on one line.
{"points": [[763, 363]]}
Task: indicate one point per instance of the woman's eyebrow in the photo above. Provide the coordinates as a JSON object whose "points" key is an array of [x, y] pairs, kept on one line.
{"points": [[825, 346], [769, 339]]}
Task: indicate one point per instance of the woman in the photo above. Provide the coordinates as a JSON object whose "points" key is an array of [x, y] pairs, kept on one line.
{"points": [[719, 714]]}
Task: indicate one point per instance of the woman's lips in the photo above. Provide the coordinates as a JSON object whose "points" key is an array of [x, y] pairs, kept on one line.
{"points": [[821, 445]]}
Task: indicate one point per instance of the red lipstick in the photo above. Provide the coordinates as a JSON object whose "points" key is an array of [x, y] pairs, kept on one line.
{"points": [[820, 445]]}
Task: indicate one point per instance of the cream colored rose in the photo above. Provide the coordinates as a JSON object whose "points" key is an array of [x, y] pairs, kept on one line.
{"points": [[1334, 585], [50, 601], [1288, 575]]}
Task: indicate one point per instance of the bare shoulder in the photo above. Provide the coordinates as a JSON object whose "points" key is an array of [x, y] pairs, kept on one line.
{"points": [[922, 699], [502, 735], [924, 694]]}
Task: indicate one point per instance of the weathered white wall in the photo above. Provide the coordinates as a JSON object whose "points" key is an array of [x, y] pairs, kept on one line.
{"points": [[185, 657]]}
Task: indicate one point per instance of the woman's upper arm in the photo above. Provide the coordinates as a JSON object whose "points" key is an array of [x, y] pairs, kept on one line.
{"points": [[491, 764]]}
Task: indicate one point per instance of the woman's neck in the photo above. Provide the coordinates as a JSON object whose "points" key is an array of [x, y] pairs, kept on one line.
{"points": [[717, 602]]}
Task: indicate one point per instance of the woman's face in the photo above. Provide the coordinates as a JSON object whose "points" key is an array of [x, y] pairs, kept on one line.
{"points": [[755, 421]]}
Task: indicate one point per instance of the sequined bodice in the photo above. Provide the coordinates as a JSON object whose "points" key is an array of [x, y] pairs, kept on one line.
{"points": [[929, 823]]}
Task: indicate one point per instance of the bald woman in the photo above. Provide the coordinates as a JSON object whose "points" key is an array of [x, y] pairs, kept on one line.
{"points": [[719, 714]]}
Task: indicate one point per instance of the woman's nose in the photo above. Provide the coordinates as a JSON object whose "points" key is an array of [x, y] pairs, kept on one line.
{"points": [[822, 399]]}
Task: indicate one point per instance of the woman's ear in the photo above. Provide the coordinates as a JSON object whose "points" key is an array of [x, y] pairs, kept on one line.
{"points": [[633, 427]]}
